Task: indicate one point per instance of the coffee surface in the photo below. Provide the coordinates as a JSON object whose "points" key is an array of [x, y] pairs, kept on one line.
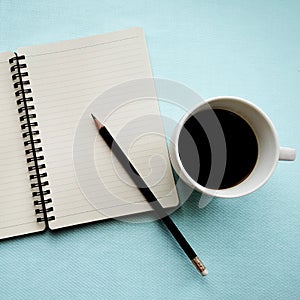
{"points": [[196, 154]]}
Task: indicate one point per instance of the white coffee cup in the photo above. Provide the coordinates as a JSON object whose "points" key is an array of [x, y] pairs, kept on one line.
{"points": [[269, 151]]}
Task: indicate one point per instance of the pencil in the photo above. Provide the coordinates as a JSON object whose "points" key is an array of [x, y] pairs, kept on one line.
{"points": [[149, 196]]}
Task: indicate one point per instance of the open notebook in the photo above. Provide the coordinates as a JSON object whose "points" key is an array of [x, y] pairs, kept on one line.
{"points": [[55, 171]]}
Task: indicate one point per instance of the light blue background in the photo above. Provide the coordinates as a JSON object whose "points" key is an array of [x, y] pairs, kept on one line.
{"points": [[250, 245]]}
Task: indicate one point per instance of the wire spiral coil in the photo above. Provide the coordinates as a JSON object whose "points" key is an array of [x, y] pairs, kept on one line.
{"points": [[33, 150]]}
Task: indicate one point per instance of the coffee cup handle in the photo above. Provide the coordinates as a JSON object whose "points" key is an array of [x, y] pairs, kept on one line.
{"points": [[286, 153]]}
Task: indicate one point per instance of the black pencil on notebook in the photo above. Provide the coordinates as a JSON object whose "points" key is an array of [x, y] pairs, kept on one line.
{"points": [[149, 196]]}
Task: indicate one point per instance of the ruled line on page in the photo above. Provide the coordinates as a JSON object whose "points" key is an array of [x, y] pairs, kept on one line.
{"points": [[62, 88], [16, 203]]}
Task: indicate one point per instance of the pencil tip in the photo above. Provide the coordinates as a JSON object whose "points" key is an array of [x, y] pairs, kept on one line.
{"points": [[98, 124]]}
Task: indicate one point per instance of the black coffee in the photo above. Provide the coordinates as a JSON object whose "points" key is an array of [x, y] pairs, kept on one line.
{"points": [[195, 148]]}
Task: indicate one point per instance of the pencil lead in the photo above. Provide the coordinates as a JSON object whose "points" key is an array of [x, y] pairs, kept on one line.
{"points": [[98, 124]]}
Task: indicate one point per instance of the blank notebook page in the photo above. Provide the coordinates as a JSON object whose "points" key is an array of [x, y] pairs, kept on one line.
{"points": [[86, 182], [17, 212]]}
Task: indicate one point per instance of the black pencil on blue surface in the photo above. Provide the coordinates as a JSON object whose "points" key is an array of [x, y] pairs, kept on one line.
{"points": [[149, 196]]}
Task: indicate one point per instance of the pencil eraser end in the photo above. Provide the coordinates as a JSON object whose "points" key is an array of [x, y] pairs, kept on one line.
{"points": [[204, 273]]}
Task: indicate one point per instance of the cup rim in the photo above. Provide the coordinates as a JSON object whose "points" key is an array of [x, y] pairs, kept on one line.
{"points": [[215, 192]]}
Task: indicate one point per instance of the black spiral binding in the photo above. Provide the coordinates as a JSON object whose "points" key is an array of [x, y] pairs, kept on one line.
{"points": [[33, 150]]}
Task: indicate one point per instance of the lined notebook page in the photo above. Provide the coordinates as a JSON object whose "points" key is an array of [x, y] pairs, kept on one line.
{"points": [[17, 212], [86, 182]]}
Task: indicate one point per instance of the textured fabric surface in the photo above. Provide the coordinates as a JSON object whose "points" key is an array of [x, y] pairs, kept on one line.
{"points": [[250, 245]]}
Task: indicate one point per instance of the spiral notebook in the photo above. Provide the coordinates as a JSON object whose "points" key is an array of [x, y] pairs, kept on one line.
{"points": [[45, 94]]}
